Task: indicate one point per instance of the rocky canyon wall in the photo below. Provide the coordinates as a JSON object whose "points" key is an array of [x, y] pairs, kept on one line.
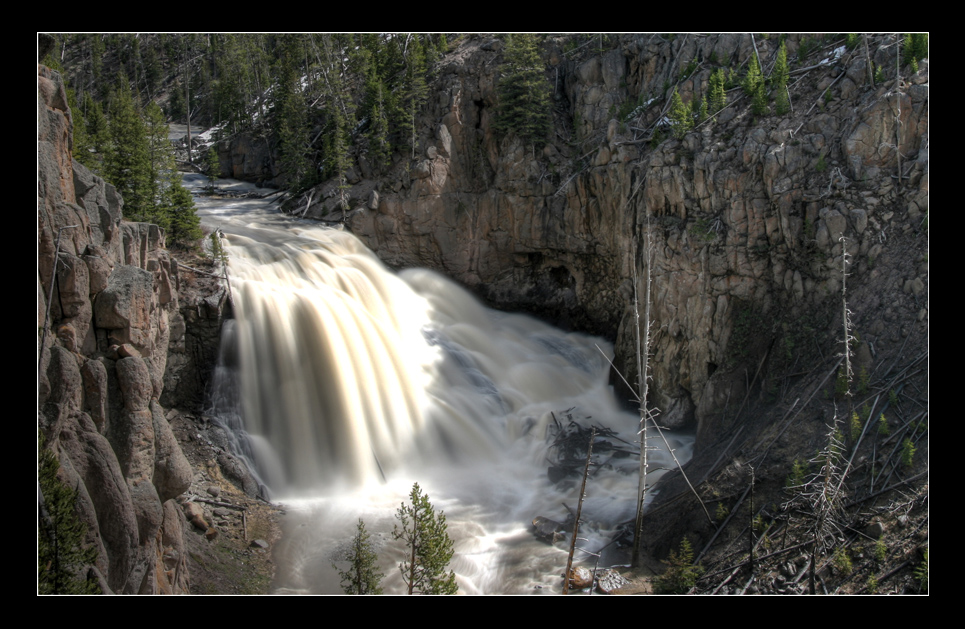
{"points": [[745, 213], [110, 289]]}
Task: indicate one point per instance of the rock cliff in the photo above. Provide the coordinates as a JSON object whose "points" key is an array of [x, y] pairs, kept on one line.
{"points": [[745, 214], [107, 314]]}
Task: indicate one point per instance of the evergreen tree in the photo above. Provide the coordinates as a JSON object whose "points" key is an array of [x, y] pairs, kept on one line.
{"points": [[681, 115], [754, 87], [291, 119], [184, 223], [779, 79], [127, 164], [915, 47], [98, 136], [428, 547], [171, 205], [212, 165], [363, 576], [60, 551], [417, 90], [375, 107], [718, 92], [339, 159], [524, 94], [161, 164]]}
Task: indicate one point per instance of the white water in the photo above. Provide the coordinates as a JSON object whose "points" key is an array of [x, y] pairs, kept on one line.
{"points": [[356, 382]]}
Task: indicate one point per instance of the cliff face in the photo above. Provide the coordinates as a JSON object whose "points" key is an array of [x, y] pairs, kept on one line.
{"points": [[102, 362], [745, 214]]}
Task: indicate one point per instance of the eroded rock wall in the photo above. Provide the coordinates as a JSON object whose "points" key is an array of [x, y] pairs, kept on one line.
{"points": [[745, 215], [111, 293]]}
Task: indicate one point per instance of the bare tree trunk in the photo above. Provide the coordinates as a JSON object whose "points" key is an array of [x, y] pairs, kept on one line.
{"points": [[187, 100], [643, 360], [579, 511]]}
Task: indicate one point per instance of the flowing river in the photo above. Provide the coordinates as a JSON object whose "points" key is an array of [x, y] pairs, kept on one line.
{"points": [[348, 382]]}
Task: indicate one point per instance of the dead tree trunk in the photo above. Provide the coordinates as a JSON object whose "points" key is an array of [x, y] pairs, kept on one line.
{"points": [[643, 355], [579, 511]]}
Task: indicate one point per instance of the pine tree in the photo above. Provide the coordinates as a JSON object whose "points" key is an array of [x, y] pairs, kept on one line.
{"points": [[524, 94], [127, 163], [60, 551], [376, 108], [681, 574], [754, 87], [779, 78], [212, 165], [172, 206], [161, 164], [428, 547], [915, 47], [339, 160], [718, 93], [363, 576], [417, 90], [681, 116], [291, 119], [184, 223]]}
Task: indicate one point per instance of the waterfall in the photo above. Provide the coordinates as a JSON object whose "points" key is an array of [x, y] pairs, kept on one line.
{"points": [[346, 382], [348, 372]]}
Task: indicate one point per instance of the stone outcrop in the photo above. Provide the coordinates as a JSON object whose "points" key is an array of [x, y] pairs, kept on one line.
{"points": [[111, 292]]}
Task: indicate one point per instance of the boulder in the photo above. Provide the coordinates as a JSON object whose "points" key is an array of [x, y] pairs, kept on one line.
{"points": [[580, 578], [547, 529], [608, 580]]}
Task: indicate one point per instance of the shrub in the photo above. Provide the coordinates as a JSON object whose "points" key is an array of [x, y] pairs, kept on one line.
{"points": [[842, 561], [822, 165], [722, 512], [681, 575], [883, 429], [855, 426], [921, 573], [796, 478], [907, 453], [881, 550]]}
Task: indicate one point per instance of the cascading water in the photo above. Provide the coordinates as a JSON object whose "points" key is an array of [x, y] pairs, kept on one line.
{"points": [[353, 382]]}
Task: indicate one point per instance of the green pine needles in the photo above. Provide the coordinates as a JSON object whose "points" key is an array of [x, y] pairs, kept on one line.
{"points": [[524, 94], [681, 574], [61, 556], [718, 91], [681, 115], [362, 576], [754, 87], [779, 78], [428, 547]]}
